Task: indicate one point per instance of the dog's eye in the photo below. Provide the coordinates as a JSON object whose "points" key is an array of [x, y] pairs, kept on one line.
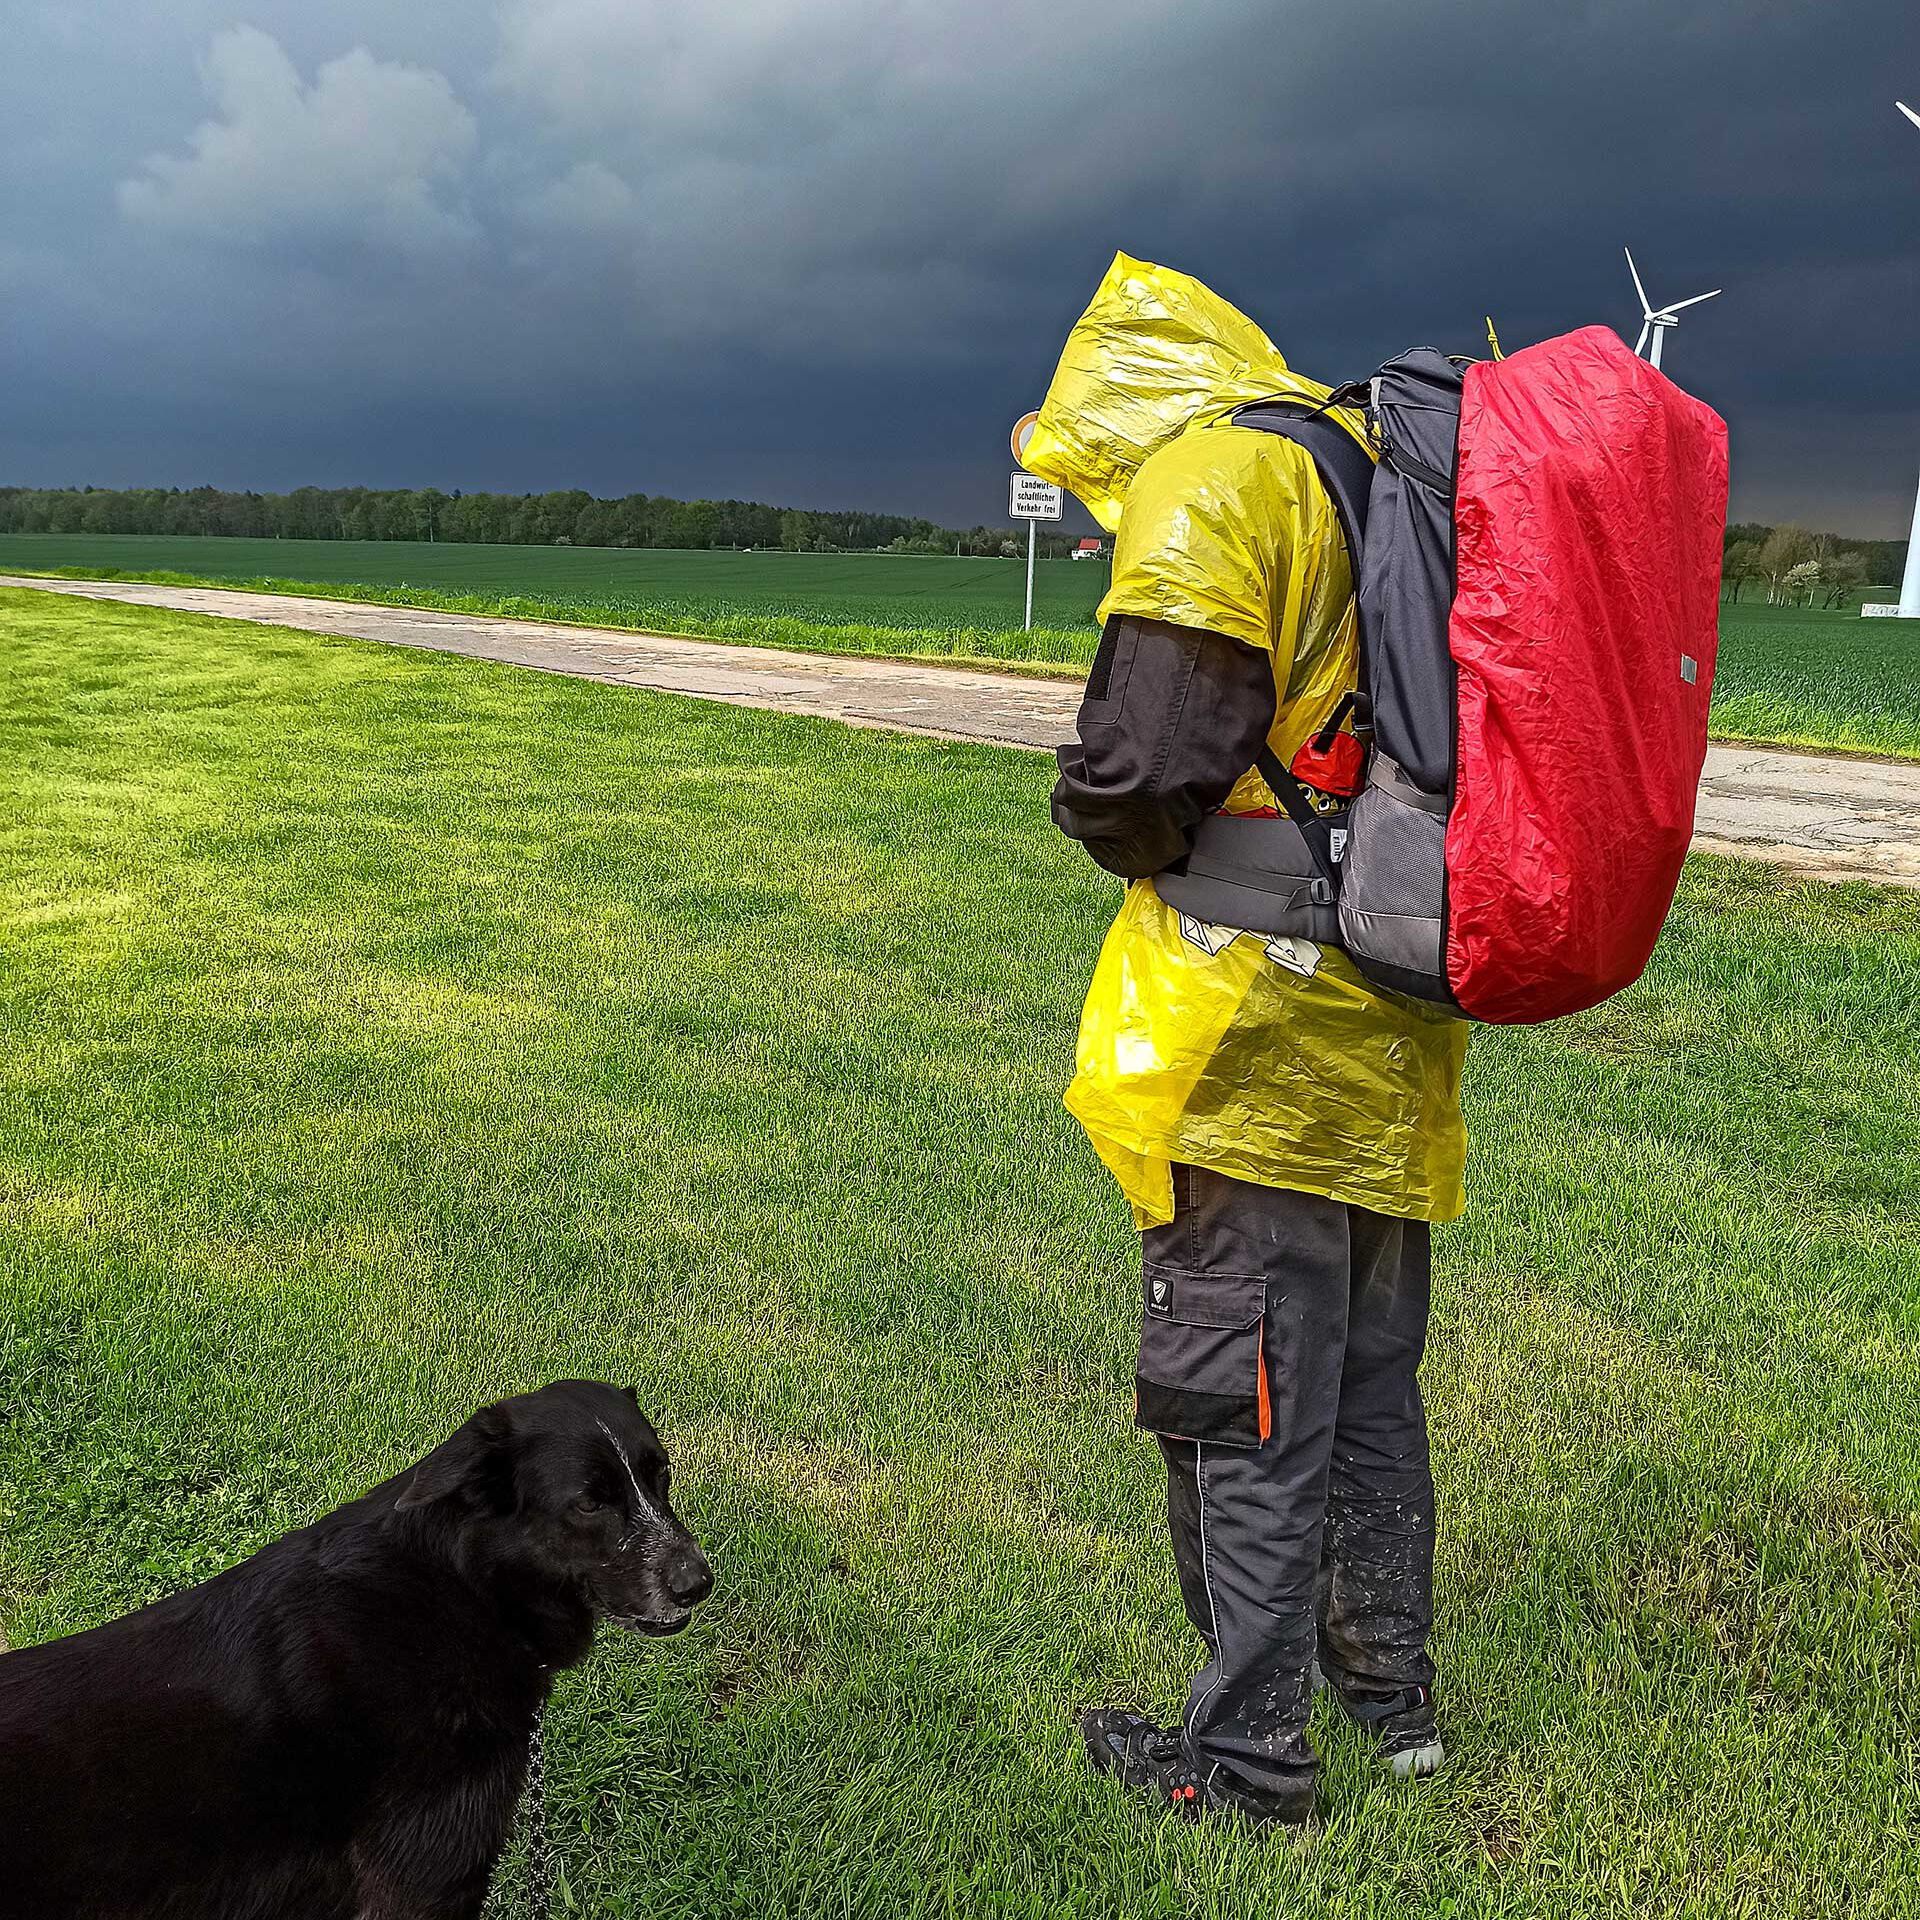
{"points": [[588, 1504]]}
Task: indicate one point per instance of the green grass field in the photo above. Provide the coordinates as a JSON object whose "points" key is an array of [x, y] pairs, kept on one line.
{"points": [[385, 1031], [1786, 674], [906, 591], [1808, 678]]}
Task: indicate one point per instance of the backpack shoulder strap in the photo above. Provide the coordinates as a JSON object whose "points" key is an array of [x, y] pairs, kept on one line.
{"points": [[1346, 470], [1345, 467], [1314, 830]]}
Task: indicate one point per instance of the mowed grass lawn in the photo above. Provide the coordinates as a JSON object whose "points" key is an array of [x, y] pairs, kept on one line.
{"points": [[1786, 674], [386, 1031]]}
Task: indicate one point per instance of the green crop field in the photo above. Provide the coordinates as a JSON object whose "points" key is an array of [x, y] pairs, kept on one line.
{"points": [[1788, 675], [382, 1031], [1819, 679], [834, 589]]}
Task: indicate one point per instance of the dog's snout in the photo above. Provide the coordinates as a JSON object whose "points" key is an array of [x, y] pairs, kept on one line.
{"points": [[689, 1579]]}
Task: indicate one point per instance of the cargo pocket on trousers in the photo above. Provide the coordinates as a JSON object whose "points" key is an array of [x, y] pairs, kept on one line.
{"points": [[1203, 1370]]}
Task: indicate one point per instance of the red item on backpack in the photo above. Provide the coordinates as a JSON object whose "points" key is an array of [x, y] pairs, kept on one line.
{"points": [[1338, 768]]}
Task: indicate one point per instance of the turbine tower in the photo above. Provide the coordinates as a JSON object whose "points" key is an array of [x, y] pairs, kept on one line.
{"points": [[1910, 581], [1658, 319]]}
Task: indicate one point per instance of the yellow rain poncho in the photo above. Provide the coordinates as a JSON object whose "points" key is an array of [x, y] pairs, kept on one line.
{"points": [[1264, 1062]]}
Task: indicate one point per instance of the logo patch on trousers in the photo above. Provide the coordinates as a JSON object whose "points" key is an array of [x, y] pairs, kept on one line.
{"points": [[1160, 1292]]}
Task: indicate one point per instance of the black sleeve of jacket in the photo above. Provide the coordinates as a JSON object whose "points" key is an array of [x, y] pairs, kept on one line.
{"points": [[1173, 716]]}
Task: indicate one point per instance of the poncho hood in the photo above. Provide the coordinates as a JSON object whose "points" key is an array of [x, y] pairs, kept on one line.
{"points": [[1154, 354]]}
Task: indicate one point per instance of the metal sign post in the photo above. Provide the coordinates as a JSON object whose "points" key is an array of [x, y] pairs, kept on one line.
{"points": [[1032, 500]]}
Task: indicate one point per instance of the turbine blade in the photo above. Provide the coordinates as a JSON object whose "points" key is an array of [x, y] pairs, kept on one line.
{"points": [[1908, 111], [1646, 306], [1694, 302], [1640, 345]]}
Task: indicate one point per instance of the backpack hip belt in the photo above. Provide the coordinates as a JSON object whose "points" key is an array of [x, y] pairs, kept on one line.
{"points": [[1256, 872]]}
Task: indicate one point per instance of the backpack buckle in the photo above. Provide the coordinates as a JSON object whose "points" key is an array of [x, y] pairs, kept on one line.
{"points": [[1320, 891]]}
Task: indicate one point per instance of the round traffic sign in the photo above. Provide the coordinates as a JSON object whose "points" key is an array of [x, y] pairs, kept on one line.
{"points": [[1022, 433]]}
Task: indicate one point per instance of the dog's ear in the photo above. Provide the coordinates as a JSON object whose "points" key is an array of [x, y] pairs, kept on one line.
{"points": [[469, 1460], [631, 1395]]}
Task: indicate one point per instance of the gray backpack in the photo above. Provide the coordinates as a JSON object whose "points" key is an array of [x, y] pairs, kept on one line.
{"points": [[1536, 559]]}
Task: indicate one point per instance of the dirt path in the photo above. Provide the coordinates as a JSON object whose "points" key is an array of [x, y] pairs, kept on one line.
{"points": [[1828, 817]]}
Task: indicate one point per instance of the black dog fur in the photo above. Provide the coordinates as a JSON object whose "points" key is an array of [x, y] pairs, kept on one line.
{"points": [[338, 1728]]}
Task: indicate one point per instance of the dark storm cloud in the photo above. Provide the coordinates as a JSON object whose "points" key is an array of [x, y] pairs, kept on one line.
{"points": [[824, 253]]}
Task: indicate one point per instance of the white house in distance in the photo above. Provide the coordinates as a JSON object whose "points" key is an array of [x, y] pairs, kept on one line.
{"points": [[1088, 550]]}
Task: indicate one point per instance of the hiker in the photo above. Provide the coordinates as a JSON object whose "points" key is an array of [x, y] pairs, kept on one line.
{"points": [[1286, 1135]]}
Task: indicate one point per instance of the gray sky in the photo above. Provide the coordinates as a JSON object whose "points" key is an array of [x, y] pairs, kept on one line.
{"points": [[823, 252]]}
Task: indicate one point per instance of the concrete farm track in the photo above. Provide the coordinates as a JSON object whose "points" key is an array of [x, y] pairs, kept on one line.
{"points": [[1823, 816]]}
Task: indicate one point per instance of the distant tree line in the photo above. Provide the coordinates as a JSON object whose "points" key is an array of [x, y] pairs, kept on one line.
{"points": [[1792, 566], [567, 517]]}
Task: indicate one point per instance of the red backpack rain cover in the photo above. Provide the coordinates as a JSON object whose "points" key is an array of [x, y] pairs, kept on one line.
{"points": [[1589, 514]]}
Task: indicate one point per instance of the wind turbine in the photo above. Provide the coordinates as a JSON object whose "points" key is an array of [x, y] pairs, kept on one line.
{"points": [[1910, 581], [1658, 319]]}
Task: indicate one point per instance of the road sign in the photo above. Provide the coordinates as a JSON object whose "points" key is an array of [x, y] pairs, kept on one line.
{"points": [[1031, 499], [1022, 433]]}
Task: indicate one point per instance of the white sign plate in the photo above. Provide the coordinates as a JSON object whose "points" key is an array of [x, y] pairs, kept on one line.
{"points": [[1031, 499]]}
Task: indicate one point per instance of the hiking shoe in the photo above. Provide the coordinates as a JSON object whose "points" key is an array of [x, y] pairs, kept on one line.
{"points": [[1154, 1760], [1400, 1721]]}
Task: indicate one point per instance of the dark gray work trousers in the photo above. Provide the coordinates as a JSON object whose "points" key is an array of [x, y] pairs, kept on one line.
{"points": [[1279, 1353]]}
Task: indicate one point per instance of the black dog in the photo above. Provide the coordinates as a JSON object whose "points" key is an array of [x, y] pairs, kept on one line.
{"points": [[338, 1728]]}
